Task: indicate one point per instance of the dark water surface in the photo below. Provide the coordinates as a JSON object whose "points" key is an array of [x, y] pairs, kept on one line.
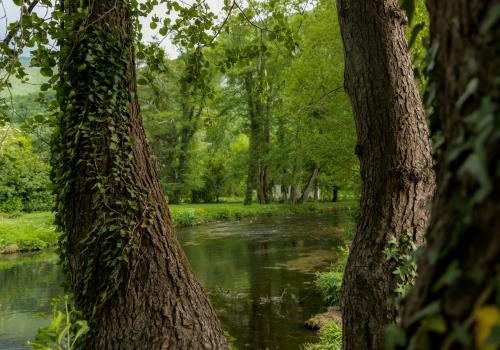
{"points": [[257, 273]]}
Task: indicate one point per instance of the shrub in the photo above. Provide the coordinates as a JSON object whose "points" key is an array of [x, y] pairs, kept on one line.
{"points": [[24, 176], [187, 218], [330, 286], [330, 338]]}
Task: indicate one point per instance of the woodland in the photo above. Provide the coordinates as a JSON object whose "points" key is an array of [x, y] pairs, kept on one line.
{"points": [[367, 129]]}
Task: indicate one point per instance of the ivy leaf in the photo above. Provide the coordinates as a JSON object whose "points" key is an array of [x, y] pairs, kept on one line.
{"points": [[430, 309], [493, 17]]}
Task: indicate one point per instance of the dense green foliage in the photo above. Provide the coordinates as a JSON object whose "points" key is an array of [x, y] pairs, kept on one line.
{"points": [[329, 283], [24, 184], [27, 232]]}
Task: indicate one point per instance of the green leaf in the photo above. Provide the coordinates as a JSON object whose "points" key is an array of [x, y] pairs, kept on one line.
{"points": [[394, 336], [492, 18], [430, 309]]}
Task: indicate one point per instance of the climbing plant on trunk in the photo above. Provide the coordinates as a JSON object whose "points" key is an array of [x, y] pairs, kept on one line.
{"points": [[395, 158], [126, 269], [455, 303]]}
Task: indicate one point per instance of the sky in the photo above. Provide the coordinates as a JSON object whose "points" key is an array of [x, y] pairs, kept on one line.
{"points": [[10, 12]]}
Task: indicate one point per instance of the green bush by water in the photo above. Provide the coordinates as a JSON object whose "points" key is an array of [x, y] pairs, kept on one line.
{"points": [[330, 285], [330, 338]]}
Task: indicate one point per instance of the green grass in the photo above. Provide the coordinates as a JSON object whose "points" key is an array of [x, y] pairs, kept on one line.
{"points": [[330, 338], [32, 231], [35, 231]]}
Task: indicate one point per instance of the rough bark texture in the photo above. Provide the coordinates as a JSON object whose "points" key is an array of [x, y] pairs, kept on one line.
{"points": [[464, 232], [159, 304], [395, 158]]}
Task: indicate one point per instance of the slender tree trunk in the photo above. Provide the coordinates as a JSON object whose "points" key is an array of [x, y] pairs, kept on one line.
{"points": [[310, 184], [459, 270], [253, 177], [190, 121], [395, 157], [293, 194], [126, 268], [316, 191], [335, 194]]}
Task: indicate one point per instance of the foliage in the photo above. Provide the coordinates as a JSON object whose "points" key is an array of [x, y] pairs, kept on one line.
{"points": [[65, 329], [32, 231], [24, 176], [330, 285], [401, 252], [330, 338]]}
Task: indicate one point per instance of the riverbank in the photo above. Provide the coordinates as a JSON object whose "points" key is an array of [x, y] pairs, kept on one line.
{"points": [[35, 231]]}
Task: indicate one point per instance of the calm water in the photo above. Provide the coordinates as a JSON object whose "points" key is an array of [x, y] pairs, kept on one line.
{"points": [[257, 273]]}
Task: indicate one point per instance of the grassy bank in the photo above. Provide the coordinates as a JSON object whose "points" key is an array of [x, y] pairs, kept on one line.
{"points": [[35, 231]]}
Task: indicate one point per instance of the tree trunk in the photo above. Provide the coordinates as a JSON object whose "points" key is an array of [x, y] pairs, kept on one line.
{"points": [[253, 177], [460, 267], [316, 191], [395, 158], [310, 184], [335, 194], [293, 195], [127, 271]]}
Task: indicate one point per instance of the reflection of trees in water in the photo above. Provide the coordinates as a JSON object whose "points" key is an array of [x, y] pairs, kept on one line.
{"points": [[30, 286]]}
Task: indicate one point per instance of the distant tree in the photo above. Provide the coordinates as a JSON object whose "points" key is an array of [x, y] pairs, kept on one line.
{"points": [[395, 157], [24, 176]]}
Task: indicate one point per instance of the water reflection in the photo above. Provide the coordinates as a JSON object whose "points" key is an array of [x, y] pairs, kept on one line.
{"points": [[257, 273], [28, 283]]}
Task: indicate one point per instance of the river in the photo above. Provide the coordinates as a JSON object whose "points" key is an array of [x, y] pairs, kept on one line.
{"points": [[258, 274]]}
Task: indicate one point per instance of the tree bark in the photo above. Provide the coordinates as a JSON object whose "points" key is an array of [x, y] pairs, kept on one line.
{"points": [[395, 158], [458, 268], [310, 184], [111, 207]]}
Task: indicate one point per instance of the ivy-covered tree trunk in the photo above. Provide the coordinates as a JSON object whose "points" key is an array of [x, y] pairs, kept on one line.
{"points": [[457, 287], [126, 269], [395, 158]]}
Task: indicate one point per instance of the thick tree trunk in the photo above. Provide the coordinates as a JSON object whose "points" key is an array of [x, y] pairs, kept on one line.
{"points": [[458, 268], [310, 184], [127, 270], [395, 158]]}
